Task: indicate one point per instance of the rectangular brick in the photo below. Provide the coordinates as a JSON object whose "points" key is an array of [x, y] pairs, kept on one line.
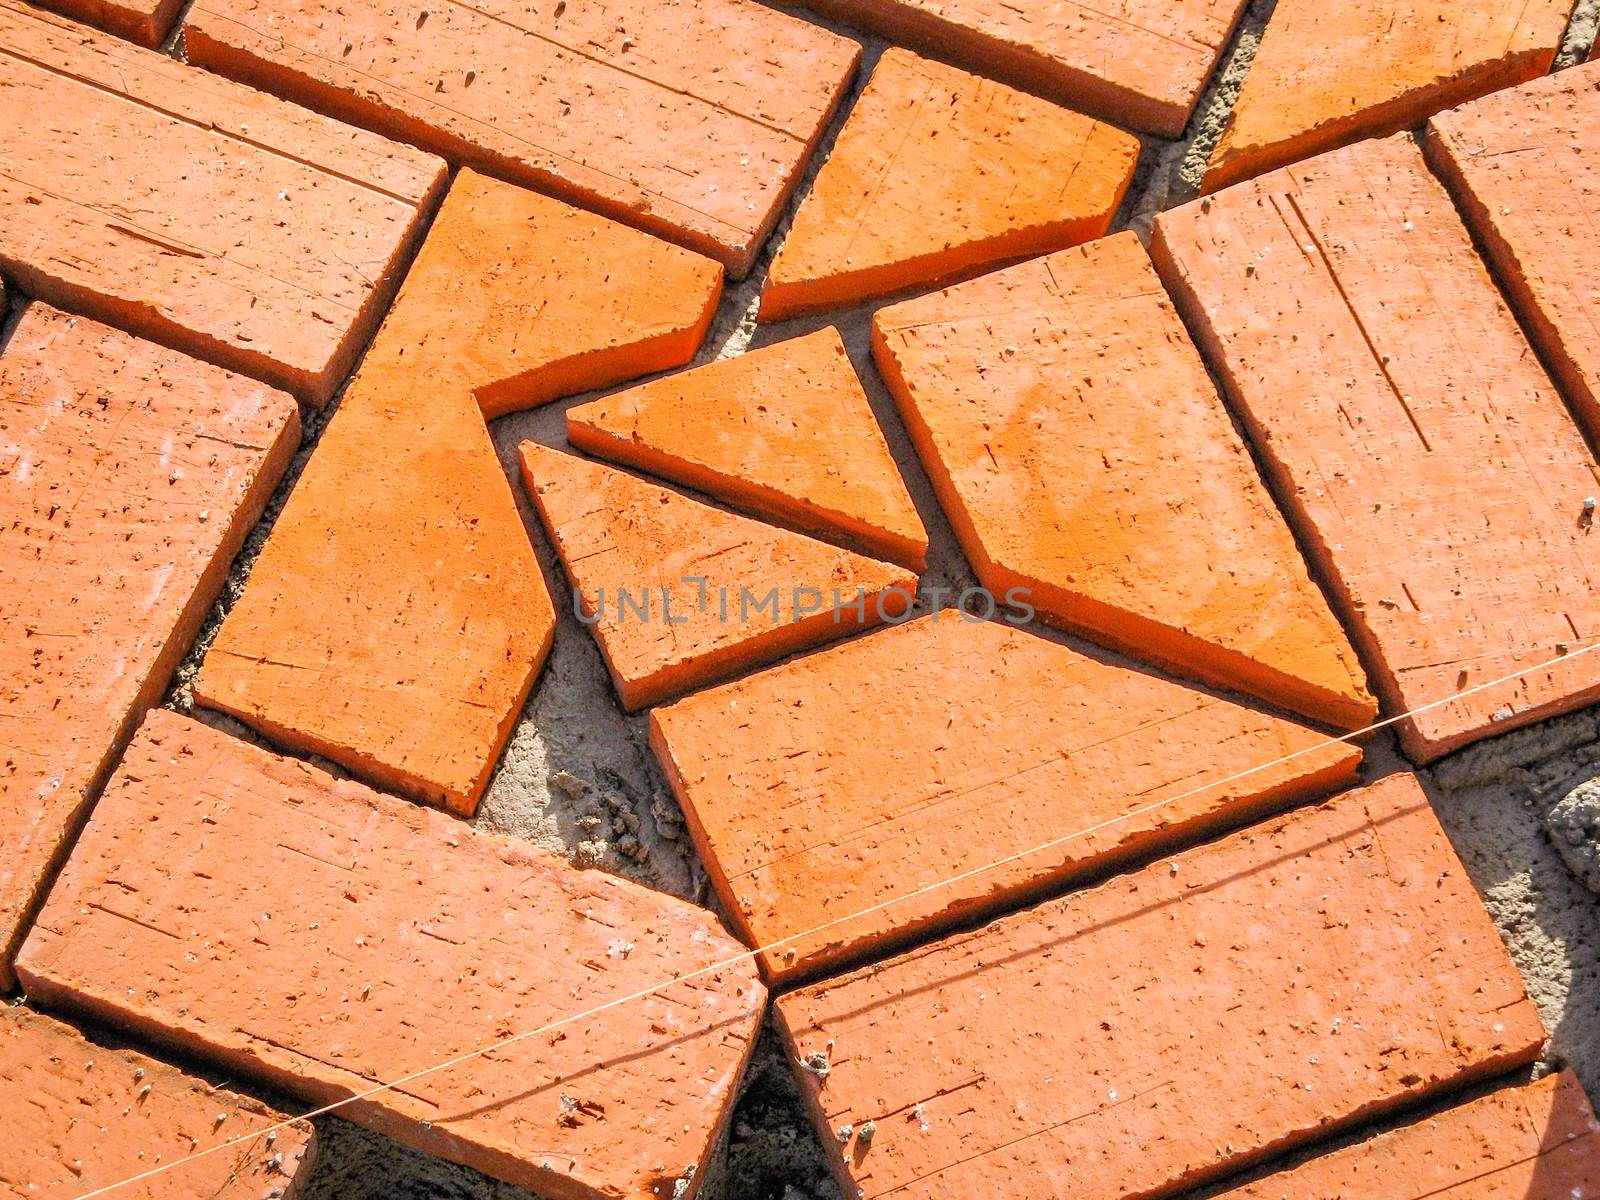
{"points": [[1431, 467], [321, 937], [691, 119], [195, 212], [1521, 165], [1173, 1024], [76, 1116], [129, 476], [1141, 63], [1539, 1142], [941, 746], [144, 21]]}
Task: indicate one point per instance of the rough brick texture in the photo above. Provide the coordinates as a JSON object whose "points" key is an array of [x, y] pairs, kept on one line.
{"points": [[403, 537], [690, 119], [1172, 1024], [840, 781], [1539, 1142], [129, 475], [1082, 453], [1434, 473], [784, 432], [679, 594], [75, 1117], [142, 21], [320, 937], [936, 175], [160, 199], [1141, 63], [1329, 74], [1521, 166]]}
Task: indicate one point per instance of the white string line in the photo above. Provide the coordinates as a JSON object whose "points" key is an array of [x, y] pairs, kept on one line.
{"points": [[748, 955]]}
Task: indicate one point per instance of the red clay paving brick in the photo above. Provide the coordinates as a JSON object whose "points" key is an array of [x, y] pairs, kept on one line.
{"points": [[1328, 74], [831, 784], [200, 214], [680, 594], [1078, 445], [319, 937], [144, 21], [129, 476], [784, 432], [75, 1117], [1434, 474], [1539, 1142], [937, 175], [403, 536], [1173, 1024], [1141, 63], [691, 119], [1521, 165]]}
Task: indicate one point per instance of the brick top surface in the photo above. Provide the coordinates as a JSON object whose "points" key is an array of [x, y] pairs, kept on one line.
{"points": [[75, 1116], [1171, 1024], [321, 937], [691, 118], [260, 236]]}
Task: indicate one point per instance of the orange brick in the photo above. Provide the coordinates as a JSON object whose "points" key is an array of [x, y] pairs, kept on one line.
{"points": [[783, 432], [194, 212], [1327, 74], [129, 476], [1539, 1142], [1435, 476], [937, 175], [144, 21], [1083, 455], [692, 119], [320, 937], [680, 594], [1521, 167], [75, 1117], [1141, 64], [939, 747], [1173, 1024], [403, 538]]}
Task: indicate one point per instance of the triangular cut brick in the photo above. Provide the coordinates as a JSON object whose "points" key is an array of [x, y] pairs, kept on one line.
{"points": [[936, 175], [319, 937], [143, 21], [1086, 461], [680, 594], [1329, 74], [80, 1117], [1522, 167], [1140, 63], [1436, 479], [909, 757], [1173, 1024], [784, 432], [129, 477], [691, 119], [1539, 1142]]}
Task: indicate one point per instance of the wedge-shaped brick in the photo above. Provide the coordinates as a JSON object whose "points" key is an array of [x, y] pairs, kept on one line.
{"points": [[1521, 166], [129, 476], [1539, 1142], [1085, 459], [403, 538], [201, 214], [692, 120], [1329, 74], [855, 777], [321, 937], [1432, 469], [1173, 1024], [144, 21], [784, 432], [936, 175], [76, 1117], [1141, 63], [680, 594]]}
